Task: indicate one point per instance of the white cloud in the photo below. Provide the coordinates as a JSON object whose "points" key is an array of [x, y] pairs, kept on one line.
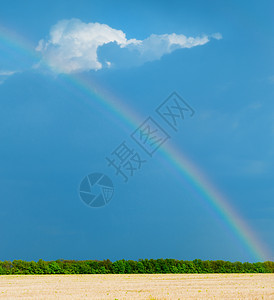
{"points": [[155, 46], [4, 74], [73, 45], [217, 36], [7, 73]]}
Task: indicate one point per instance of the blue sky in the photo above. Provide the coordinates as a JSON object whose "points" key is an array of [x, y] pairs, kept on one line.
{"points": [[218, 55]]}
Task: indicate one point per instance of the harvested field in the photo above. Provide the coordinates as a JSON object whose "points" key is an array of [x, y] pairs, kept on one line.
{"points": [[154, 286]]}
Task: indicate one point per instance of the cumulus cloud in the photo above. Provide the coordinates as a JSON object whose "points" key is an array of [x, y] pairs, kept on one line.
{"points": [[155, 46], [73, 46]]}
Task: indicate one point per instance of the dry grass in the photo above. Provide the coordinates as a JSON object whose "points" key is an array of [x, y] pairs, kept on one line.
{"points": [[155, 286]]}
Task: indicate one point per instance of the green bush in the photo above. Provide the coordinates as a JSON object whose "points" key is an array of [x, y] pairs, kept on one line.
{"points": [[142, 266]]}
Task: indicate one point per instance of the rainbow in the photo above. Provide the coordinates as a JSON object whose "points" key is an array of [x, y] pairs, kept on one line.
{"points": [[185, 169], [16, 42]]}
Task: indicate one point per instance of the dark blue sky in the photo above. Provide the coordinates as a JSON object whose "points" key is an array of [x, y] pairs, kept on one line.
{"points": [[53, 134]]}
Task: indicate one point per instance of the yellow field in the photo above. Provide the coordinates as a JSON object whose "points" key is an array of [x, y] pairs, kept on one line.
{"points": [[160, 286]]}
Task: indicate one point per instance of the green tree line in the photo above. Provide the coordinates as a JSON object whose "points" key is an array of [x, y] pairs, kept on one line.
{"points": [[142, 266]]}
